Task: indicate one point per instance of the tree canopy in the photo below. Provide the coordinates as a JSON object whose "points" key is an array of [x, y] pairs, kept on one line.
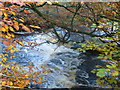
{"points": [[42, 16]]}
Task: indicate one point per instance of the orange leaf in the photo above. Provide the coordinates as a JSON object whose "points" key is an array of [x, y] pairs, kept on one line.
{"points": [[25, 28], [35, 83], [10, 47], [3, 82], [40, 82], [26, 11], [6, 26], [1, 13], [15, 22], [16, 27], [5, 18], [27, 82], [7, 43], [15, 18], [30, 63], [14, 45], [8, 82]]}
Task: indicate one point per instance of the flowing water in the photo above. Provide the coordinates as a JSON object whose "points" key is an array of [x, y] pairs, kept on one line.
{"points": [[62, 61]]}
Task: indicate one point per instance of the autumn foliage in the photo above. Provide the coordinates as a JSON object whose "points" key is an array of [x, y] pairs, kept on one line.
{"points": [[13, 74], [17, 17]]}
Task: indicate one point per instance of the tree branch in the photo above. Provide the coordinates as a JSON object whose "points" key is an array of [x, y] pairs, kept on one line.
{"points": [[116, 20]]}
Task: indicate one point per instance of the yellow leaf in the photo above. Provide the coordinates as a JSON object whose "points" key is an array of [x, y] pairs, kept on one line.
{"points": [[8, 37], [12, 12], [46, 72], [12, 51], [34, 26], [5, 14], [3, 82], [12, 57], [100, 26], [10, 83], [2, 64], [21, 20], [49, 2], [11, 29], [6, 54], [9, 34], [26, 76], [21, 43], [26, 28], [12, 35], [4, 29], [21, 17], [4, 59], [16, 49]]}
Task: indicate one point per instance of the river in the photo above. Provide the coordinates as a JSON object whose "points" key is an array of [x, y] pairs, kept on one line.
{"points": [[67, 67]]}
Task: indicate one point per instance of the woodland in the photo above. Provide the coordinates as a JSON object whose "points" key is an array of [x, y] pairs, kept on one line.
{"points": [[98, 20]]}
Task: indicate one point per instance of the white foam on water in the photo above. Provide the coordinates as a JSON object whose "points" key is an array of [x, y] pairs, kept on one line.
{"points": [[41, 54], [44, 51]]}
